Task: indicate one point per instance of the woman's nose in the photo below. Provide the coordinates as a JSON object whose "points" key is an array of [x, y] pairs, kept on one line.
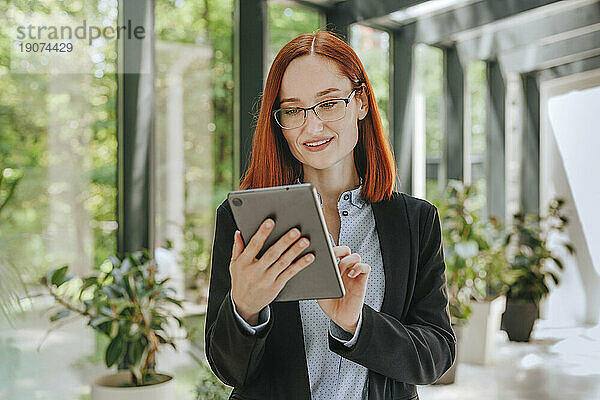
{"points": [[313, 123]]}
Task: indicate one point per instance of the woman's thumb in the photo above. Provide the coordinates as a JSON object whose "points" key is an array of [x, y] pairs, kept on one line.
{"points": [[237, 245]]}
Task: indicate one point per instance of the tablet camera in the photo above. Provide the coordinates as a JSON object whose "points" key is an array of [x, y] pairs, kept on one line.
{"points": [[237, 202]]}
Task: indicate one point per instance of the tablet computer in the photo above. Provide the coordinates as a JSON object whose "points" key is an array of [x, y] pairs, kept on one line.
{"points": [[292, 206]]}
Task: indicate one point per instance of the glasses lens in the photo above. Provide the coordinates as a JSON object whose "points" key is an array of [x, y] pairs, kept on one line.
{"points": [[290, 117], [331, 110]]}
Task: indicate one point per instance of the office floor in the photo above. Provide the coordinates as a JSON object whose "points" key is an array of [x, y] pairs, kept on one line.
{"points": [[560, 363]]}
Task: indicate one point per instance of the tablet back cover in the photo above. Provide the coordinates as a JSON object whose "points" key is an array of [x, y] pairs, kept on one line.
{"points": [[292, 206]]}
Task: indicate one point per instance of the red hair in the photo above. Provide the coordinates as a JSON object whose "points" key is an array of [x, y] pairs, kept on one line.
{"points": [[272, 163]]}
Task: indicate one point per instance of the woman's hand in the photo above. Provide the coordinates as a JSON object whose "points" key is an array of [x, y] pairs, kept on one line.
{"points": [[345, 311], [256, 282]]}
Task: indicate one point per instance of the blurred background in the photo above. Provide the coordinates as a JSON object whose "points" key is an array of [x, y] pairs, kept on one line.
{"points": [[492, 110]]}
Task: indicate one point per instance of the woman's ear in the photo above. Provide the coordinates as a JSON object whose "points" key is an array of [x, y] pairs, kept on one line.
{"points": [[361, 95]]}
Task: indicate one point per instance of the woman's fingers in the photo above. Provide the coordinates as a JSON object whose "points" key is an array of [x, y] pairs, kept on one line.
{"points": [[278, 248], [292, 270], [258, 240], [341, 251], [360, 268], [288, 257], [348, 262], [238, 245]]}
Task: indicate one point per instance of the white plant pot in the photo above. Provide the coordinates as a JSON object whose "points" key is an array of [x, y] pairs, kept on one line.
{"points": [[110, 387], [479, 334]]}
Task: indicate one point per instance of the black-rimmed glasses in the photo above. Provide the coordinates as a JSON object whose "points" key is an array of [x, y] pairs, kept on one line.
{"points": [[327, 111]]}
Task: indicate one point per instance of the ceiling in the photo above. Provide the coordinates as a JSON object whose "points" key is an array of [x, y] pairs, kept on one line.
{"points": [[524, 35]]}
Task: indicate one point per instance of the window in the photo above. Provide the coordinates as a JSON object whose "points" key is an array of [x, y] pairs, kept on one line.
{"points": [[372, 47], [286, 22], [429, 75], [58, 137], [194, 129], [476, 83]]}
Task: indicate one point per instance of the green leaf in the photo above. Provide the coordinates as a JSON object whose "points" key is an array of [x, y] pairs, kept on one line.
{"points": [[59, 276], [94, 322], [570, 248], [558, 262], [114, 329], [554, 278], [136, 350], [60, 315], [179, 321], [114, 260], [174, 301], [115, 351], [87, 282], [111, 292], [161, 338]]}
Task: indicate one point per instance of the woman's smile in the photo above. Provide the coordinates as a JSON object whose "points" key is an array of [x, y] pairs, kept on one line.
{"points": [[318, 144]]}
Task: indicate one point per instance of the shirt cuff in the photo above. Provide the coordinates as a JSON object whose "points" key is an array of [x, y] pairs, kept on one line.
{"points": [[263, 319], [346, 338]]}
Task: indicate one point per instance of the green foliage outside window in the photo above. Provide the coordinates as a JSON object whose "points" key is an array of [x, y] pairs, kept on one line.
{"points": [[33, 107]]}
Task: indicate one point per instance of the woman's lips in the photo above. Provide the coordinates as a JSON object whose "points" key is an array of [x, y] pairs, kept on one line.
{"points": [[319, 147]]}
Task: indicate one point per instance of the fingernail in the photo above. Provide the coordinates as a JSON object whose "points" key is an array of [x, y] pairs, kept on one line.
{"points": [[352, 273], [310, 258], [268, 223], [304, 242], [294, 233]]}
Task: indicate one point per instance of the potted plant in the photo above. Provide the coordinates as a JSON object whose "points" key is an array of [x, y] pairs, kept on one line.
{"points": [[124, 302], [209, 387], [476, 262], [531, 260], [457, 275]]}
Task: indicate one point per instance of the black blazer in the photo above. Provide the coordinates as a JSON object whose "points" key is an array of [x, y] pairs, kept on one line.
{"points": [[409, 342]]}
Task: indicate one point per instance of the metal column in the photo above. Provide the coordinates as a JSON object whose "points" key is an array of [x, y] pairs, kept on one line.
{"points": [[401, 103], [135, 128], [250, 38], [338, 23], [495, 141], [530, 161], [454, 111]]}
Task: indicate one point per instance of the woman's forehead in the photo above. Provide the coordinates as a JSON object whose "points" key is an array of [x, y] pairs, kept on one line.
{"points": [[307, 77]]}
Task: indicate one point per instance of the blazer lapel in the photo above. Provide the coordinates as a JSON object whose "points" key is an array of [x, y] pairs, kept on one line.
{"points": [[391, 222]]}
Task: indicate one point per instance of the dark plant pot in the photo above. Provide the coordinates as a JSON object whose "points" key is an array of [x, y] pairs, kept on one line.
{"points": [[450, 375], [518, 319]]}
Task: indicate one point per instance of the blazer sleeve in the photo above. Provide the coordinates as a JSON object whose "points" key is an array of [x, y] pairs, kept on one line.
{"points": [[419, 349], [234, 354]]}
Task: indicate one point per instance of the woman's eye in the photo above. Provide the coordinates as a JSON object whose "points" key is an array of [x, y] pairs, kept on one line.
{"points": [[291, 111], [329, 104]]}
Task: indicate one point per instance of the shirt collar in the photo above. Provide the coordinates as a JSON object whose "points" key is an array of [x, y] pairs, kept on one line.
{"points": [[356, 199]]}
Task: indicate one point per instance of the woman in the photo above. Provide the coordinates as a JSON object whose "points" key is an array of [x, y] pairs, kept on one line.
{"points": [[319, 123]]}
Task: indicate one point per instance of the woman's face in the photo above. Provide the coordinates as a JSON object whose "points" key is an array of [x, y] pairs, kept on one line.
{"points": [[309, 80]]}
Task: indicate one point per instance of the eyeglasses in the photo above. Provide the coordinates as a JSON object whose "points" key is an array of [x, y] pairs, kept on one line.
{"points": [[327, 111]]}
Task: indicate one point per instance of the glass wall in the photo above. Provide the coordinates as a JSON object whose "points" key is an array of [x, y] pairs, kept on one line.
{"points": [[373, 49], [286, 22], [58, 169], [58, 145], [194, 132], [476, 81], [429, 76]]}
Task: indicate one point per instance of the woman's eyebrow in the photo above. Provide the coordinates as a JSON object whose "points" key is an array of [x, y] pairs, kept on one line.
{"points": [[319, 94]]}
